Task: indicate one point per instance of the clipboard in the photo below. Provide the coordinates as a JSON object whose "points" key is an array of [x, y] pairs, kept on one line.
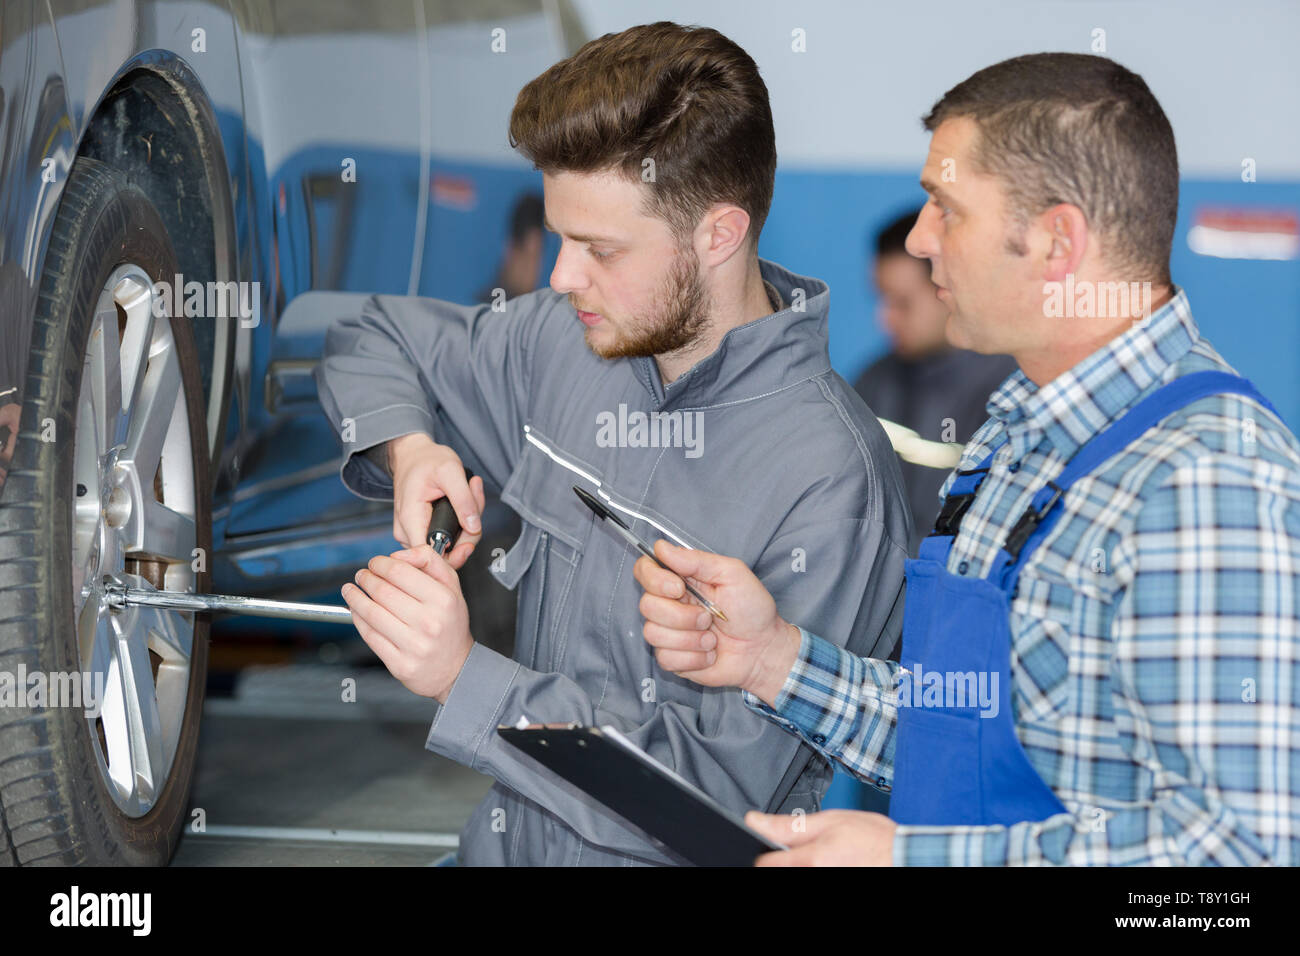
{"points": [[673, 812]]}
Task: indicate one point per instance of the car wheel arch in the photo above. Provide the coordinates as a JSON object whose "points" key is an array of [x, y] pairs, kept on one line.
{"points": [[158, 91]]}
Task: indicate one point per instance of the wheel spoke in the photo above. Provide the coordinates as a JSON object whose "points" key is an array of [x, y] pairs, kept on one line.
{"points": [[171, 637], [170, 634], [143, 726], [85, 506], [104, 356], [87, 624], [91, 443], [95, 635], [165, 533], [112, 714], [159, 394], [137, 340]]}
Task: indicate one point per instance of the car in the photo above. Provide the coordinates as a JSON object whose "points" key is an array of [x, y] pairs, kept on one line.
{"points": [[191, 192]]}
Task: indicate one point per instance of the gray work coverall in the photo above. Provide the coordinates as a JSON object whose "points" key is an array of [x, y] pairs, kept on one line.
{"points": [[773, 459]]}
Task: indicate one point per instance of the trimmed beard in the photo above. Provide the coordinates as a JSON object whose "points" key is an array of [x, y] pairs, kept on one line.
{"points": [[681, 308]]}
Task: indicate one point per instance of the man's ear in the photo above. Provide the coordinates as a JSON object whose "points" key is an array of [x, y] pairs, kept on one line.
{"points": [[1066, 232], [722, 232]]}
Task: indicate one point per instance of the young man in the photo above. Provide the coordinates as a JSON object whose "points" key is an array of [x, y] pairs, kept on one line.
{"points": [[1102, 633], [671, 372]]}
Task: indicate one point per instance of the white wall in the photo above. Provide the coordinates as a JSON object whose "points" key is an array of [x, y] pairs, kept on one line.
{"points": [[1225, 71]]}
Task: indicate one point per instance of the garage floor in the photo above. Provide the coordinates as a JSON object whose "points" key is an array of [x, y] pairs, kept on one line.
{"points": [[290, 774]]}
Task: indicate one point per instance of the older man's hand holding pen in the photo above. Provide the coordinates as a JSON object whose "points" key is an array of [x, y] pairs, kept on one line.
{"points": [[754, 650]]}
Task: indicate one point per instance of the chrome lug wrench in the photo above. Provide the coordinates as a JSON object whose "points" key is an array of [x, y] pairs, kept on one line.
{"points": [[443, 528]]}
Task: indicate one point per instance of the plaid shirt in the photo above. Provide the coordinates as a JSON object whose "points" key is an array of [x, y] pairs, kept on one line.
{"points": [[1155, 656]]}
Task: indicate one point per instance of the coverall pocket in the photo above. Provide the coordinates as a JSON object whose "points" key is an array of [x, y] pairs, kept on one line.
{"points": [[540, 490]]}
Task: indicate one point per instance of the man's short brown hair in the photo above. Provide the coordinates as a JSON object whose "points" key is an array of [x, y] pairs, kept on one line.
{"points": [[687, 98], [1079, 129]]}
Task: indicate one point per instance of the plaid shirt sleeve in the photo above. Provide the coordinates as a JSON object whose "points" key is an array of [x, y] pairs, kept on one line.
{"points": [[1203, 689], [842, 705]]}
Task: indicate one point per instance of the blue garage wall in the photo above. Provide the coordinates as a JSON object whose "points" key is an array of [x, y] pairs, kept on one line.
{"points": [[822, 222], [1249, 309], [820, 225]]}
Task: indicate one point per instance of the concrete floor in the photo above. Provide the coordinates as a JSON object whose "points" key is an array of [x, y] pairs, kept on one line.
{"points": [[290, 775]]}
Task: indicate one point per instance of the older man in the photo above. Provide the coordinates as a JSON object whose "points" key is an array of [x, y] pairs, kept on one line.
{"points": [[1102, 631]]}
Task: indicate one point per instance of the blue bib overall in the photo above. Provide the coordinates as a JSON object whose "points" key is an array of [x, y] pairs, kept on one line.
{"points": [[953, 766]]}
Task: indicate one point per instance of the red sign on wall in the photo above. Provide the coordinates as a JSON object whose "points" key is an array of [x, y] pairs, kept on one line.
{"points": [[1245, 233]]}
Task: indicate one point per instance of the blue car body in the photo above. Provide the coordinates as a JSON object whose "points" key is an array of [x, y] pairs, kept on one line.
{"points": [[326, 151]]}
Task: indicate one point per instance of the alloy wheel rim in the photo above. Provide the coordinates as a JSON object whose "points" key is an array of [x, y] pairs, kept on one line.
{"points": [[133, 524]]}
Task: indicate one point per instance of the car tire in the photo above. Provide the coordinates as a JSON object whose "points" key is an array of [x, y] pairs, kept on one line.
{"points": [[66, 794]]}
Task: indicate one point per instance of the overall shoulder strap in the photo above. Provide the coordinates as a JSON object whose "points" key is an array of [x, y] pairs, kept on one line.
{"points": [[956, 502], [1044, 510]]}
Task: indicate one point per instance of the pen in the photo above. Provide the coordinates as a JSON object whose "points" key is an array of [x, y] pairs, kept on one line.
{"points": [[617, 523]]}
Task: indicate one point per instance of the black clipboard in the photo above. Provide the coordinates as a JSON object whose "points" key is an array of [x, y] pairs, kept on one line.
{"points": [[626, 780]]}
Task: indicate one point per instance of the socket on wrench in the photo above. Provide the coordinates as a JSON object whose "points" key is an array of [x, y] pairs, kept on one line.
{"points": [[443, 529]]}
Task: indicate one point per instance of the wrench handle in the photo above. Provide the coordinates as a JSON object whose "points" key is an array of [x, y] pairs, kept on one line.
{"points": [[444, 526]]}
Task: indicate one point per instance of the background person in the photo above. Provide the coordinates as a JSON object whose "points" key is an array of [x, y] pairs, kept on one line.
{"points": [[922, 382], [521, 259]]}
